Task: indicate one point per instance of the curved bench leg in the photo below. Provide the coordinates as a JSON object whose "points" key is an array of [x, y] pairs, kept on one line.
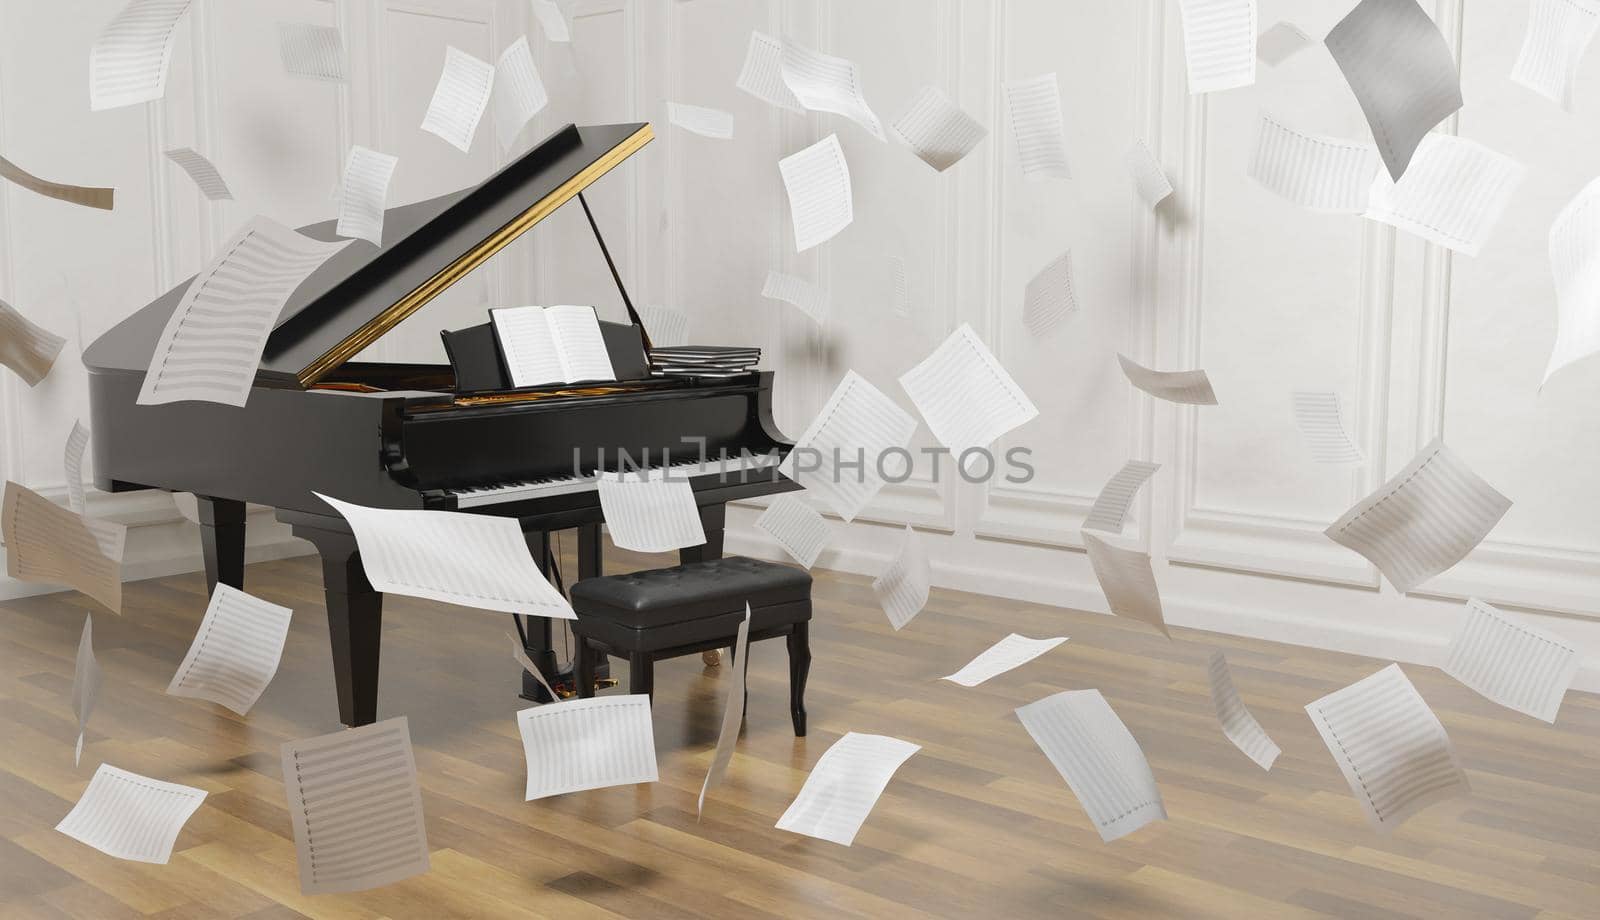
{"points": [[583, 668], [641, 675], [799, 666]]}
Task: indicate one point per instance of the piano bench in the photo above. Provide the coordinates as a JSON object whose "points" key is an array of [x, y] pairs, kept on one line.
{"points": [[665, 613]]}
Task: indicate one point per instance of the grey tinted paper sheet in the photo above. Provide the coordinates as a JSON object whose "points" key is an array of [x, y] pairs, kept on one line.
{"points": [[1011, 652], [1510, 661], [85, 683], [817, 180], [1237, 723], [1110, 507], [732, 712], [936, 129], [459, 98], [591, 743], [235, 652], [1049, 296], [1322, 428], [1099, 758], [49, 544], [205, 175], [824, 83], [899, 287], [904, 585], [28, 350], [1326, 174], [128, 62], [1187, 387], [799, 529], [129, 816], [650, 511], [1128, 581], [858, 423], [844, 786]]}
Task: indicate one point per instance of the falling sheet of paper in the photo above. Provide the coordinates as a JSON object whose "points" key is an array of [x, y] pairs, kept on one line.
{"points": [[1219, 43], [667, 327], [903, 587], [1187, 387], [72, 464], [212, 343], [364, 193], [1390, 746], [1575, 262], [732, 712], [1512, 662], [1049, 296], [857, 425], [235, 652], [311, 51], [1151, 183], [1011, 652], [1325, 174], [130, 816], [965, 396], [936, 129], [474, 560], [1424, 520], [812, 300], [1037, 126], [650, 511], [128, 63], [459, 99], [1559, 32], [49, 544], [205, 175], [1322, 428], [100, 198], [817, 180], [798, 528], [518, 92], [1098, 757], [1281, 41], [30, 351], [552, 20], [762, 74], [713, 123], [899, 287], [588, 744], [85, 683], [823, 83], [356, 807], [1110, 507], [1402, 72], [844, 786], [1128, 581], [1453, 194], [1237, 723]]}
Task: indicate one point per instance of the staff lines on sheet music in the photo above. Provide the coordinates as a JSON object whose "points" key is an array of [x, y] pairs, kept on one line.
{"points": [[1399, 486], [224, 671]]}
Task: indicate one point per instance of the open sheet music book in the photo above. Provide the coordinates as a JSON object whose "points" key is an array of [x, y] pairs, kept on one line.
{"points": [[551, 345]]}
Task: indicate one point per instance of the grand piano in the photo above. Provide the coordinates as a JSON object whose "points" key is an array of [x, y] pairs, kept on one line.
{"points": [[449, 436]]}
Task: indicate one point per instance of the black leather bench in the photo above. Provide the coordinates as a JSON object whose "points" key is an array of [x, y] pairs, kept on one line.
{"points": [[664, 613]]}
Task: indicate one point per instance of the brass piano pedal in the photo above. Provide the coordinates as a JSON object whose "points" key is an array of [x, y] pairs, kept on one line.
{"points": [[604, 683], [711, 658]]}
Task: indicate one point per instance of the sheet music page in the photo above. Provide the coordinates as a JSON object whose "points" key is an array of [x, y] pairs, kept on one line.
{"points": [[1148, 178], [1219, 43], [205, 175], [1037, 127], [1326, 174], [518, 93], [128, 62], [965, 395], [817, 181], [1424, 520], [1390, 747], [667, 327], [129, 816], [712, 123], [812, 300], [1049, 296], [528, 344], [582, 744], [857, 423], [1099, 758], [99, 198], [29, 350], [1402, 72], [49, 544], [1452, 195], [85, 683], [1510, 661], [1281, 41], [356, 807], [1559, 32], [311, 51], [844, 786], [473, 560], [824, 83], [1011, 652], [1575, 263], [1187, 387], [1110, 509], [732, 712], [1127, 580], [799, 528], [72, 465], [459, 98], [235, 652], [899, 287], [552, 20], [1322, 428], [904, 585], [364, 193], [212, 344], [936, 129], [1238, 724], [579, 343], [762, 74], [648, 512]]}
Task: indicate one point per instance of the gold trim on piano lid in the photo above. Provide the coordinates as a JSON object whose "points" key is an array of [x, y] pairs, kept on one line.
{"points": [[455, 271], [495, 399]]}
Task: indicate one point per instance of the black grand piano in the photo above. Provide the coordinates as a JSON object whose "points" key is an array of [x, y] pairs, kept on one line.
{"points": [[453, 436]]}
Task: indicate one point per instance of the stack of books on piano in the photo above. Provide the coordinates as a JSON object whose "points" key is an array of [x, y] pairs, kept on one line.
{"points": [[703, 360]]}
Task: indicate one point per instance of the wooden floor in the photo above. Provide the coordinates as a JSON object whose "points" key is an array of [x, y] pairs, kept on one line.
{"points": [[977, 825]]}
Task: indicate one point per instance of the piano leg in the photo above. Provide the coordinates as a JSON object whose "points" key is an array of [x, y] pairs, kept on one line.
{"points": [[713, 520], [222, 541], [539, 643], [355, 624]]}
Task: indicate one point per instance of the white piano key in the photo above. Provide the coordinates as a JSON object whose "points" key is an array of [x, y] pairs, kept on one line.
{"points": [[235, 652], [128, 62], [1512, 662], [904, 585], [1011, 652], [798, 528], [1037, 127], [844, 786], [1110, 507], [1237, 723], [817, 180], [311, 51], [459, 98], [936, 129], [1188, 387], [1127, 580], [584, 744], [364, 193], [1098, 757], [650, 511], [840, 457], [29, 350], [130, 816], [205, 175]]}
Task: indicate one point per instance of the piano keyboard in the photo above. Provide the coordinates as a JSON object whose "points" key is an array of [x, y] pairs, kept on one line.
{"points": [[566, 485]]}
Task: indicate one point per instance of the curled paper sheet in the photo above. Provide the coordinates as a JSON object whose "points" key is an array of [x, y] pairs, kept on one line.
{"points": [[128, 63], [1219, 43], [1049, 296], [1402, 73], [1187, 387], [650, 511], [817, 180], [99, 198], [1037, 127], [1559, 32], [130, 816], [552, 20], [843, 787], [311, 51], [72, 464], [965, 395], [1281, 41], [235, 652], [1127, 580], [1098, 757], [1390, 747], [85, 683], [798, 528], [1512, 662], [364, 193], [840, 458], [1575, 262], [713, 123], [48, 543], [473, 560], [812, 300], [1452, 195], [762, 74], [905, 584], [588, 744], [1322, 427], [1424, 520], [1321, 173], [936, 129], [459, 98], [518, 93], [1011, 652], [30, 351], [824, 83], [205, 175], [732, 712], [1110, 507], [667, 327], [1148, 179], [1237, 723]]}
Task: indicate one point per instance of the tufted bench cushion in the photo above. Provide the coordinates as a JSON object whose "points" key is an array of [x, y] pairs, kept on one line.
{"points": [[690, 603]]}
